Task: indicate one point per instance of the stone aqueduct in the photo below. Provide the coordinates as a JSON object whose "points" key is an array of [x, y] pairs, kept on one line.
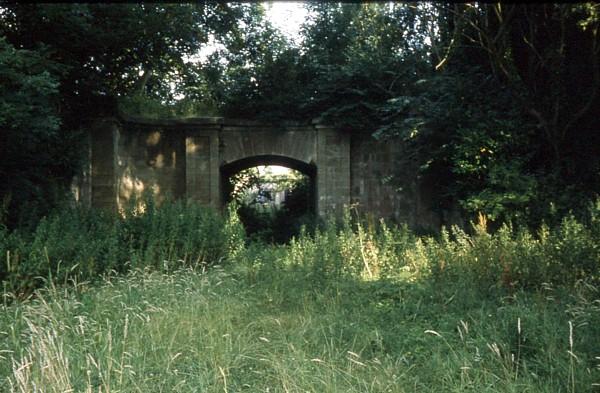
{"points": [[189, 159]]}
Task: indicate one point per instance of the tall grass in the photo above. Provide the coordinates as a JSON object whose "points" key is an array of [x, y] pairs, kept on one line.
{"points": [[278, 331], [80, 244], [354, 307]]}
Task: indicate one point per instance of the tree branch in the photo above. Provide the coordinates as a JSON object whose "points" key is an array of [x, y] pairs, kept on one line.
{"points": [[140, 84], [595, 87]]}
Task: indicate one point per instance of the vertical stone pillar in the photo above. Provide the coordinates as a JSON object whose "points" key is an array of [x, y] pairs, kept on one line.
{"points": [[333, 171], [81, 184], [202, 167], [104, 137]]}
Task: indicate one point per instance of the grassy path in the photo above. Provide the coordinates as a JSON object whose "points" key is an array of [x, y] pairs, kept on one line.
{"points": [[287, 330]]}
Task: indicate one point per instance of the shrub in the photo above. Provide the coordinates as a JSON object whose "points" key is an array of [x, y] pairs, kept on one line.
{"points": [[82, 244]]}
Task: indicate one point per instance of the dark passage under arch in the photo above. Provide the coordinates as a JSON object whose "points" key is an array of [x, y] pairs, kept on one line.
{"points": [[234, 167]]}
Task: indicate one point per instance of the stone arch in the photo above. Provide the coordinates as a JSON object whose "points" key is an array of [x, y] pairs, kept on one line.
{"points": [[231, 168], [196, 152]]}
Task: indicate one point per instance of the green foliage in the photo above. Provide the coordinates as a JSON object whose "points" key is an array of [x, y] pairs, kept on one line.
{"points": [[155, 108], [297, 213], [496, 105], [253, 193], [477, 98], [63, 65], [474, 146], [507, 260], [78, 244], [544, 58], [234, 232], [255, 72], [128, 47], [35, 161], [357, 307], [352, 57], [360, 55]]}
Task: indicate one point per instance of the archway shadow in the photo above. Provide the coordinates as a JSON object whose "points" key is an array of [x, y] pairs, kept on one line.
{"points": [[234, 167], [288, 216]]}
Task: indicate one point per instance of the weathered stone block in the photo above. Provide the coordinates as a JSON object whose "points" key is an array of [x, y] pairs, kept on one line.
{"points": [[186, 159]]}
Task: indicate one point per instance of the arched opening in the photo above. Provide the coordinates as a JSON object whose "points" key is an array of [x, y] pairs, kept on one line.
{"points": [[275, 195]]}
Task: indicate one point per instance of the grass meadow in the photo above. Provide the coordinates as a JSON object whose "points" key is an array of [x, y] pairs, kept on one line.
{"points": [[175, 299]]}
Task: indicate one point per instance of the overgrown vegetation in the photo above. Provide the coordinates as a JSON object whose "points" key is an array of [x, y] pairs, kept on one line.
{"points": [[360, 306], [496, 104], [64, 65], [273, 207], [76, 244]]}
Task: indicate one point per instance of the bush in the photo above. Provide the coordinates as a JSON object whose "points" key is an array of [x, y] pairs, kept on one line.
{"points": [[81, 244], [506, 260]]}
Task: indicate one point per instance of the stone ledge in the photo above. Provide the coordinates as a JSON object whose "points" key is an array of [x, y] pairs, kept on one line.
{"points": [[192, 121], [213, 121]]}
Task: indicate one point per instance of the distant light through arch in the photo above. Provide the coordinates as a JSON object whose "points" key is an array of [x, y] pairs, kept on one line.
{"points": [[273, 169]]}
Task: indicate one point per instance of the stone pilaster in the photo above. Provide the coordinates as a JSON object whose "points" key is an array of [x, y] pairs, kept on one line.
{"points": [[202, 167], [104, 137], [333, 171]]}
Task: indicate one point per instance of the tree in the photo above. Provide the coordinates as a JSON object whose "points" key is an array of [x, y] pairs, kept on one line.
{"points": [[255, 72], [496, 103], [508, 118], [83, 57], [549, 56], [33, 154], [128, 48], [353, 57]]}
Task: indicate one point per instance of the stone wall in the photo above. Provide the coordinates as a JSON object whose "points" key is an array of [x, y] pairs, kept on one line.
{"points": [[333, 171], [202, 178], [238, 141], [103, 137], [186, 159], [373, 165], [150, 159]]}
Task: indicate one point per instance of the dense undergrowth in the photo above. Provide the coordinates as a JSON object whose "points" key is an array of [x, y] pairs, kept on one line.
{"points": [[81, 244], [175, 299]]}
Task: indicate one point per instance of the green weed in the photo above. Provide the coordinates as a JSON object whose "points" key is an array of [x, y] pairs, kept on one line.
{"points": [[175, 298]]}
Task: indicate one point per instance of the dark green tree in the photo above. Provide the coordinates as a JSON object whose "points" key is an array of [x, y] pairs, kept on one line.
{"points": [[494, 104], [93, 54], [506, 123], [34, 158]]}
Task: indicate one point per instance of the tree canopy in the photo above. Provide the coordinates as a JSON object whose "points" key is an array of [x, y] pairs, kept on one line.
{"points": [[67, 63], [497, 104]]}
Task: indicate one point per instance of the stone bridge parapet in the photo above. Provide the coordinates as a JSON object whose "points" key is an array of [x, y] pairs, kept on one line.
{"points": [[184, 158], [189, 159]]}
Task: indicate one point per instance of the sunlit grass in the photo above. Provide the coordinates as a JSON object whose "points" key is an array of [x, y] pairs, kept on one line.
{"points": [[354, 307], [276, 330]]}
